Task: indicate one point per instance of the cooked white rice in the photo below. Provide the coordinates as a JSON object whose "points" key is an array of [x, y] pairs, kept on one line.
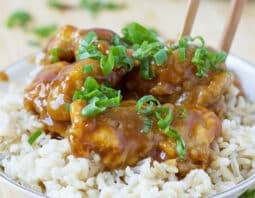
{"points": [[48, 166]]}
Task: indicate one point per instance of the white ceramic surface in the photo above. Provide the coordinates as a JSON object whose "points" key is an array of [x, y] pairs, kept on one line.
{"points": [[244, 70]]}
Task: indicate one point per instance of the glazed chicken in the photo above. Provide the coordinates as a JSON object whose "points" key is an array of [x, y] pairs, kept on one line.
{"points": [[68, 40], [176, 82], [55, 85], [117, 136], [116, 133]]}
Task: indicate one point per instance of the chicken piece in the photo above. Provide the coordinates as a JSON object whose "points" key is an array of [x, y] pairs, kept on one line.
{"points": [[72, 78], [117, 136], [36, 94], [68, 40], [176, 82], [55, 85], [199, 130]]}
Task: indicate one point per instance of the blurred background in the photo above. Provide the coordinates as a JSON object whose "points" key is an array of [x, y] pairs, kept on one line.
{"points": [[26, 25]]}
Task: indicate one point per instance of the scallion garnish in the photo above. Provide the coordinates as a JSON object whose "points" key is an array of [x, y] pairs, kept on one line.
{"points": [[88, 48], [55, 54], [137, 34], [181, 113], [59, 5], [107, 64], [34, 137], [67, 107], [164, 115], [95, 6], [204, 59], [19, 18], [147, 48], [98, 96], [87, 69], [117, 56], [149, 106], [45, 31], [148, 123], [161, 56]]}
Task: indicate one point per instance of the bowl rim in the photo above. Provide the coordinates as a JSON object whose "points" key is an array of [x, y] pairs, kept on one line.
{"points": [[240, 187]]}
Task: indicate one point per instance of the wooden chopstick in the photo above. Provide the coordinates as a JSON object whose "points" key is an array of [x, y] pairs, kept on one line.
{"points": [[190, 17], [232, 23]]}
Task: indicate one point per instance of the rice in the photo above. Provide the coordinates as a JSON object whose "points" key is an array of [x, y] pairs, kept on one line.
{"points": [[49, 166]]}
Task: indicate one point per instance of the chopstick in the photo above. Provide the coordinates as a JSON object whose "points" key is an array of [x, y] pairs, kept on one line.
{"points": [[232, 23], [190, 17]]}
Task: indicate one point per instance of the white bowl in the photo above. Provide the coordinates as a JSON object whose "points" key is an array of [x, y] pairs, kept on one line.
{"points": [[244, 70]]}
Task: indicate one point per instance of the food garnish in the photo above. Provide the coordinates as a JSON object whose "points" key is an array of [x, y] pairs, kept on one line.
{"points": [[87, 69], [19, 18], [149, 107], [55, 53], [45, 31], [95, 6], [58, 5], [181, 113], [34, 137], [204, 59], [98, 96]]}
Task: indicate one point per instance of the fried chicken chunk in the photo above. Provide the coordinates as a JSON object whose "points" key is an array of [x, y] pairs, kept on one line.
{"points": [[176, 82], [117, 136], [54, 87], [68, 40]]}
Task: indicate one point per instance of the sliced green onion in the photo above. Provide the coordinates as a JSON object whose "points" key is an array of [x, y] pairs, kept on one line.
{"points": [[55, 53], [45, 31], [111, 101], [99, 97], [181, 148], [87, 48], [181, 113], [19, 18], [92, 109], [182, 54], [160, 57], [204, 59], [90, 84], [150, 106], [136, 33], [90, 38], [95, 6], [107, 64], [34, 137], [146, 105], [164, 115], [146, 71], [147, 124], [58, 5], [200, 38], [67, 107], [180, 143], [87, 69]]}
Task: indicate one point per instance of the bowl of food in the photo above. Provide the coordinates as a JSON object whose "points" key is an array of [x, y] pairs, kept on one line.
{"points": [[103, 115]]}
